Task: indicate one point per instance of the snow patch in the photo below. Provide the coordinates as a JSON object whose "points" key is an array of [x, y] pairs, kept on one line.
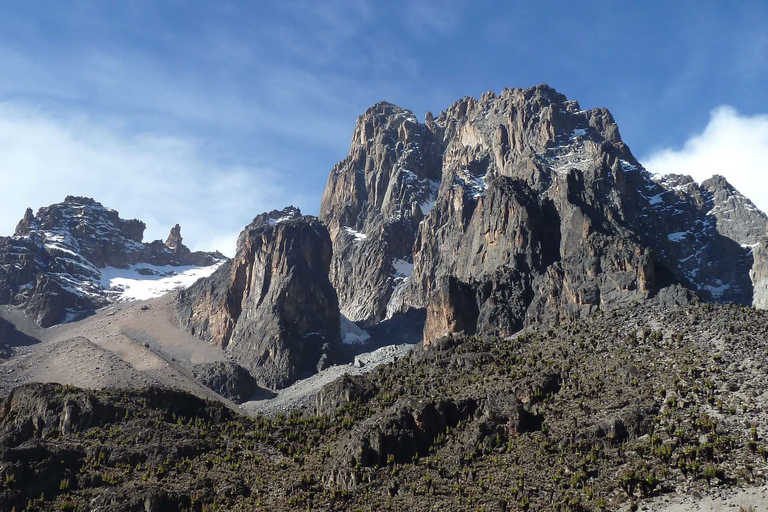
{"points": [[718, 291], [678, 236], [153, 281], [474, 185], [627, 167], [359, 237], [272, 222], [351, 334], [427, 205], [403, 268]]}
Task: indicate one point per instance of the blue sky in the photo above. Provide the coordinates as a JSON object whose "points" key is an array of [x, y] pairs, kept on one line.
{"points": [[207, 113]]}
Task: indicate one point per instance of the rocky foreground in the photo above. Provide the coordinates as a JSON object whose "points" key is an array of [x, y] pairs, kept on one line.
{"points": [[615, 411]]}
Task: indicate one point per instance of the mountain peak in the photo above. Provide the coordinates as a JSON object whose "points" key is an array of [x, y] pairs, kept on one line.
{"points": [[531, 207], [58, 263]]}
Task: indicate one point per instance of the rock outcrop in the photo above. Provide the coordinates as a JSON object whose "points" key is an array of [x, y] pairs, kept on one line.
{"points": [[272, 307], [406, 429], [52, 266], [373, 204], [759, 274], [226, 378], [522, 207]]}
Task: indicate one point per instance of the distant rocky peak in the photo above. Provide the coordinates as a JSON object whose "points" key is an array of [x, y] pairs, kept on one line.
{"points": [[387, 125], [737, 217], [522, 120], [534, 203], [272, 307], [27, 224], [733, 214], [174, 237], [58, 264], [278, 216], [266, 221]]}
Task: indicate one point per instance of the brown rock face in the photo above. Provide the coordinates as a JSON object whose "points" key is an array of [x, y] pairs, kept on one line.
{"points": [[272, 307], [174, 237], [452, 309], [540, 211]]}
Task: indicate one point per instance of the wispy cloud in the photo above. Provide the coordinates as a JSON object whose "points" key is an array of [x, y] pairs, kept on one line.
{"points": [[161, 180], [440, 16], [732, 145]]}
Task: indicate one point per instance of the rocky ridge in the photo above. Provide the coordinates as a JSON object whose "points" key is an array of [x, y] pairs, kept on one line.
{"points": [[272, 307], [52, 266], [517, 208]]}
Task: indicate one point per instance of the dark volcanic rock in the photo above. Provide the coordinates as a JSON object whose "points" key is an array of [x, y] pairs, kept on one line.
{"points": [[272, 307], [52, 265], [406, 429], [228, 379], [344, 389], [48, 410]]}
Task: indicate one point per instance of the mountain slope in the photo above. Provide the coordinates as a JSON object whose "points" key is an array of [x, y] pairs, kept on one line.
{"points": [[645, 404]]}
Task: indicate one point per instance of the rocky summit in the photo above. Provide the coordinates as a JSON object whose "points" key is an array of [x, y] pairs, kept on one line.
{"points": [[497, 309], [519, 208], [55, 263]]}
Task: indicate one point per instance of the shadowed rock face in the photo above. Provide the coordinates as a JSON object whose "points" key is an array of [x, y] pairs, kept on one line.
{"points": [[51, 266], [759, 274], [272, 307], [527, 206], [227, 379]]}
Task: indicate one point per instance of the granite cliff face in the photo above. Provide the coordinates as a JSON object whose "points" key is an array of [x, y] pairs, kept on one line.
{"points": [[272, 307], [373, 204], [54, 264], [522, 207]]}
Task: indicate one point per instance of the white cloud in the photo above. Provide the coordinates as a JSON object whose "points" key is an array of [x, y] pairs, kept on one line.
{"points": [[731, 145], [160, 180]]}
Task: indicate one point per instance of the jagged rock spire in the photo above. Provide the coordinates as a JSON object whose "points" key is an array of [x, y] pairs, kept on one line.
{"points": [[25, 225], [174, 237]]}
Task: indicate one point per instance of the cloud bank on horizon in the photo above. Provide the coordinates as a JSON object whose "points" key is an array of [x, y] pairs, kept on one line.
{"points": [[732, 145], [160, 180]]}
